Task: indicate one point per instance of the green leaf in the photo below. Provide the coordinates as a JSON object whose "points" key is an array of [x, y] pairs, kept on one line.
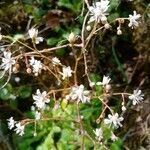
{"points": [[114, 5], [5, 93], [117, 145], [25, 92], [74, 5], [52, 41]]}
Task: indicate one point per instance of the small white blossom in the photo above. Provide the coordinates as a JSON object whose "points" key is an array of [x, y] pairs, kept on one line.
{"points": [[67, 72], [136, 97], [7, 61], [37, 65], [114, 119], [105, 81], [33, 33], [78, 93], [98, 11], [99, 134], [11, 123], [113, 137], [19, 129], [56, 61], [37, 115], [133, 20], [41, 99]]}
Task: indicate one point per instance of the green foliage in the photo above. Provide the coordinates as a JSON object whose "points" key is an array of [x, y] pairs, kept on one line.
{"points": [[75, 6], [117, 145], [6, 93], [24, 92], [114, 5]]}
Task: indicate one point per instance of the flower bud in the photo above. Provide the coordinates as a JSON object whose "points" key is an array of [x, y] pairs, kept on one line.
{"points": [[36, 74], [29, 70], [15, 70], [88, 28], [92, 84], [17, 66], [119, 32], [123, 108], [107, 26], [72, 38]]}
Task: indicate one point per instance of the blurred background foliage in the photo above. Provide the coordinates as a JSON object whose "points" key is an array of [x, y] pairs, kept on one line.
{"points": [[56, 19]]}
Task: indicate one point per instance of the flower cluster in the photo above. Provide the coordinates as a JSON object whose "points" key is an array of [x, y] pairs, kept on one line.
{"points": [[105, 83], [19, 128], [98, 13], [78, 93]]}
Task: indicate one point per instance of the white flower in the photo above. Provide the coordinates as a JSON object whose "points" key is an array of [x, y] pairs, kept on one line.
{"points": [[99, 134], [32, 60], [78, 93], [33, 33], [133, 19], [37, 115], [19, 129], [136, 97], [105, 81], [99, 11], [38, 40], [11, 123], [41, 99], [56, 61], [114, 119], [113, 137], [67, 72], [7, 61], [37, 65]]}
